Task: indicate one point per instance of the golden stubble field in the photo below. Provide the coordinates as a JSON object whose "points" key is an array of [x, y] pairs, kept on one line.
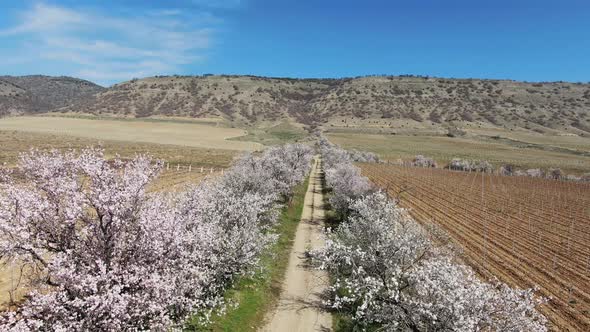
{"points": [[534, 151], [136, 131]]}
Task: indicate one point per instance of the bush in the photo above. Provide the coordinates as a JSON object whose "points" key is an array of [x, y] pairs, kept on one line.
{"points": [[535, 173], [455, 132], [507, 170], [458, 164], [555, 174], [421, 161]]}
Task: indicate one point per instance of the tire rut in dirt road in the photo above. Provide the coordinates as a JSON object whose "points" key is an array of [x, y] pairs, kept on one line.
{"points": [[299, 306]]}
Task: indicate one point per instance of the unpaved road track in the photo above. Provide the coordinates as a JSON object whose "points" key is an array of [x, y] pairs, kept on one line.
{"points": [[299, 307]]}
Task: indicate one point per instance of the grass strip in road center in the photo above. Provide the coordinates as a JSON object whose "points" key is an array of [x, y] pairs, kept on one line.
{"points": [[257, 295]]}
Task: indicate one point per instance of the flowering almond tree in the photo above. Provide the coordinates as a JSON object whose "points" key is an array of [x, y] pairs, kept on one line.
{"points": [[422, 161], [387, 273], [107, 252], [237, 225], [112, 257], [275, 172], [347, 184], [342, 177]]}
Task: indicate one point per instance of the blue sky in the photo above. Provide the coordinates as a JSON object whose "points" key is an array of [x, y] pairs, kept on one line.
{"points": [[111, 41]]}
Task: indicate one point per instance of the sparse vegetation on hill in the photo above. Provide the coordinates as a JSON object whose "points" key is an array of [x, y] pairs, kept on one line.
{"points": [[373, 101], [36, 94]]}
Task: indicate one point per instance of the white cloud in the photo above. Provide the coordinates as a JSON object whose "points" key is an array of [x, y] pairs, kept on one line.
{"points": [[45, 18], [169, 12], [109, 48], [226, 4]]}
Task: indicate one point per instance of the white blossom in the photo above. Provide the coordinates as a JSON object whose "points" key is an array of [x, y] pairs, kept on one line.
{"points": [[113, 257], [388, 274]]}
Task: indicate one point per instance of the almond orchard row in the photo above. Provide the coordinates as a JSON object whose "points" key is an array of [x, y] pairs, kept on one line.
{"points": [[110, 256], [389, 274]]}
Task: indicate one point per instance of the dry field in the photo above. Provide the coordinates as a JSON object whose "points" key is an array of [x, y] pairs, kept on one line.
{"points": [[562, 140], [173, 133], [524, 231], [498, 152], [175, 180], [12, 143]]}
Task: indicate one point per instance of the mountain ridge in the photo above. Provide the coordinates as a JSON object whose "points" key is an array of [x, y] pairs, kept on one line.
{"points": [[248, 100], [39, 93]]}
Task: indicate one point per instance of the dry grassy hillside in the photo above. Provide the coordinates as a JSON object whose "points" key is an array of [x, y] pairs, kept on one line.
{"points": [[33, 94], [13, 99], [384, 103], [376, 101], [240, 99]]}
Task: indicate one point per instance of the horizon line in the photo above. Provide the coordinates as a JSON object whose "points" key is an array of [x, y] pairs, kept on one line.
{"points": [[301, 78]]}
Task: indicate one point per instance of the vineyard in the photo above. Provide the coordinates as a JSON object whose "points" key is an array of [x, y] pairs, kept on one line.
{"points": [[177, 177], [524, 231]]}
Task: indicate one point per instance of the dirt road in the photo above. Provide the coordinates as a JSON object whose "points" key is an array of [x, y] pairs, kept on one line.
{"points": [[299, 305]]}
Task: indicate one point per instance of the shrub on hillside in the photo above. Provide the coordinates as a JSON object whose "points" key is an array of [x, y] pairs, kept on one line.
{"points": [[455, 132]]}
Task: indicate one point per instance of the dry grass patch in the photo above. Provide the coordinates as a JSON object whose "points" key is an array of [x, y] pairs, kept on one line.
{"points": [[174, 133], [443, 149], [15, 142]]}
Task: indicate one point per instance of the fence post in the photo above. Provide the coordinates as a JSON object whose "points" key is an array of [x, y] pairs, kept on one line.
{"points": [[167, 166], [190, 167], [178, 167]]}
